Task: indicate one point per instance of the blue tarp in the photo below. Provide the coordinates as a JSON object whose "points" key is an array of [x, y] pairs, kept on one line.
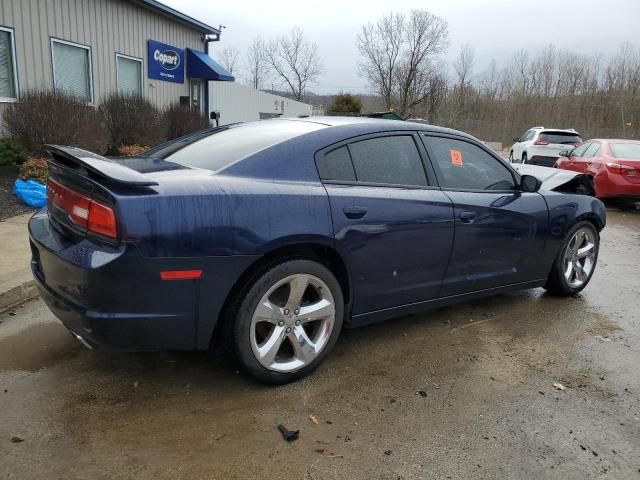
{"points": [[201, 65], [31, 192]]}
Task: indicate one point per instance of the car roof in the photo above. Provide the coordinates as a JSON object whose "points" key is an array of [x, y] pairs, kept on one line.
{"points": [[568, 130], [613, 140], [368, 124]]}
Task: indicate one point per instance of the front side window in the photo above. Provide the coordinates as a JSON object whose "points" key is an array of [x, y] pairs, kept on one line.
{"points": [[72, 69], [129, 75], [465, 166], [392, 160], [8, 88]]}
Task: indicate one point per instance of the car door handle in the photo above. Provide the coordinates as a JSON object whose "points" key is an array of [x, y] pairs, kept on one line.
{"points": [[354, 212], [467, 217]]}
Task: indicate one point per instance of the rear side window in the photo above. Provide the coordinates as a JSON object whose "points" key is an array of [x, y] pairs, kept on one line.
{"points": [[224, 146], [563, 138], [592, 151], [465, 166], [390, 160], [626, 150], [336, 165], [579, 152]]}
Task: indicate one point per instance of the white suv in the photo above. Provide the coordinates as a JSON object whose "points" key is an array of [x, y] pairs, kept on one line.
{"points": [[542, 146]]}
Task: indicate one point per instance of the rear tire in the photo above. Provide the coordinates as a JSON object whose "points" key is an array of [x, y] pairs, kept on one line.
{"points": [[511, 156], [287, 320], [576, 261], [524, 158]]}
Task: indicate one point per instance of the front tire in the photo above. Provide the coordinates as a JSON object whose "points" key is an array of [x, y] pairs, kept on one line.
{"points": [[576, 261], [524, 159], [287, 321]]}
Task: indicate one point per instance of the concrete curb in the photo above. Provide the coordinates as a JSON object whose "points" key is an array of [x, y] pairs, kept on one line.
{"points": [[17, 295]]}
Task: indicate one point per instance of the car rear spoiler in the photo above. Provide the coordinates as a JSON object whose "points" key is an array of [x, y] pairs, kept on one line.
{"points": [[105, 169]]}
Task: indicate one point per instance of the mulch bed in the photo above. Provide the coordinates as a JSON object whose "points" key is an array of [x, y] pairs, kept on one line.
{"points": [[10, 205]]}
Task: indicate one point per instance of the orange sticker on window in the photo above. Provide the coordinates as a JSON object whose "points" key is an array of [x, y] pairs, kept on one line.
{"points": [[456, 157]]}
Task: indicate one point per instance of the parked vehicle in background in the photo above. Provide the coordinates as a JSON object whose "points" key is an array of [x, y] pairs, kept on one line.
{"points": [[613, 165], [276, 233], [542, 146]]}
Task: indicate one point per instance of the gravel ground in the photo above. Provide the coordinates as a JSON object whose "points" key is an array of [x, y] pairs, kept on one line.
{"points": [[519, 386], [10, 205]]}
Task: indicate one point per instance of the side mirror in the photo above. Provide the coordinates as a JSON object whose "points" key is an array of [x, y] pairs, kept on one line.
{"points": [[529, 183], [516, 140], [564, 153]]}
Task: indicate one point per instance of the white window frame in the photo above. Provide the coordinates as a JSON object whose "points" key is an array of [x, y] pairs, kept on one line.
{"points": [[137, 59], [73, 44], [11, 32]]}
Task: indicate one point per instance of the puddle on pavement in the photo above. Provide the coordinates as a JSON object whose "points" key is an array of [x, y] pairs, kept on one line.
{"points": [[36, 347], [603, 326]]}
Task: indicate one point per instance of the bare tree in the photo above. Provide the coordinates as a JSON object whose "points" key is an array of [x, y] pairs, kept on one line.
{"points": [[398, 56], [380, 46], [295, 61], [257, 65], [463, 65], [229, 58], [490, 82]]}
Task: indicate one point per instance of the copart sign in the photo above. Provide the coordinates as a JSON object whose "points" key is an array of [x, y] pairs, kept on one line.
{"points": [[165, 62]]}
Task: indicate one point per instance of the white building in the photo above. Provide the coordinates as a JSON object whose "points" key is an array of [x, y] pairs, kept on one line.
{"points": [[241, 103]]}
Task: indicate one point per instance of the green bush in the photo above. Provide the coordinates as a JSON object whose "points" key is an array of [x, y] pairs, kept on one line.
{"points": [[131, 120], [35, 168], [10, 152], [181, 121], [46, 116], [346, 103]]}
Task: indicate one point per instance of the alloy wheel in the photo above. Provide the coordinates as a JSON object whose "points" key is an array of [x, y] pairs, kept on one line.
{"points": [[579, 257], [292, 323]]}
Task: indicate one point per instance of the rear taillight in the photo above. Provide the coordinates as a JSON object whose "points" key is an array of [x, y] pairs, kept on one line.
{"points": [[620, 169], [82, 210], [102, 220], [541, 142]]}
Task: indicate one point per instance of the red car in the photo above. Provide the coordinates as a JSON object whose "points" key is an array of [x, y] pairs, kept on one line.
{"points": [[614, 166]]}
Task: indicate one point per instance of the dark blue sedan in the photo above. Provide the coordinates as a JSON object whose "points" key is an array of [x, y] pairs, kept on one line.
{"points": [[278, 233]]}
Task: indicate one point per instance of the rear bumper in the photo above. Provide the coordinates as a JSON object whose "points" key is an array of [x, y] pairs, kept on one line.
{"points": [[114, 298], [124, 331], [616, 186]]}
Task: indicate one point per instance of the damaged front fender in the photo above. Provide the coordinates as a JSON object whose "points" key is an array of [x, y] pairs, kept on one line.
{"points": [[558, 180]]}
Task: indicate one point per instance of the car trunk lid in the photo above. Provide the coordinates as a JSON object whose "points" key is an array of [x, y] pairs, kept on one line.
{"points": [[82, 193], [629, 168]]}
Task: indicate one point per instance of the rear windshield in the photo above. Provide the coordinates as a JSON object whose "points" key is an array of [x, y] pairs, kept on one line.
{"points": [[564, 138], [626, 150], [217, 148]]}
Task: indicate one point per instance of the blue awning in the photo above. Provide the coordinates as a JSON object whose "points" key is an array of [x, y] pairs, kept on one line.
{"points": [[201, 65]]}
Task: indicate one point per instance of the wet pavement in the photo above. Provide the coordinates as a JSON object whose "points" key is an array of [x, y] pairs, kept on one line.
{"points": [[461, 392]]}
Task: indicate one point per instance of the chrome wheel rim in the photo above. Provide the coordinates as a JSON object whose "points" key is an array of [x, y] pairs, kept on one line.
{"points": [[292, 323], [579, 257]]}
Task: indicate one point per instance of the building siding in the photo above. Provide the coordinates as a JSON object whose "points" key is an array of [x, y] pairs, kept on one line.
{"points": [[107, 26]]}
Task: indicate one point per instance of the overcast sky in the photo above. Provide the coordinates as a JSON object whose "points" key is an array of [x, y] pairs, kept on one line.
{"points": [[495, 28]]}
